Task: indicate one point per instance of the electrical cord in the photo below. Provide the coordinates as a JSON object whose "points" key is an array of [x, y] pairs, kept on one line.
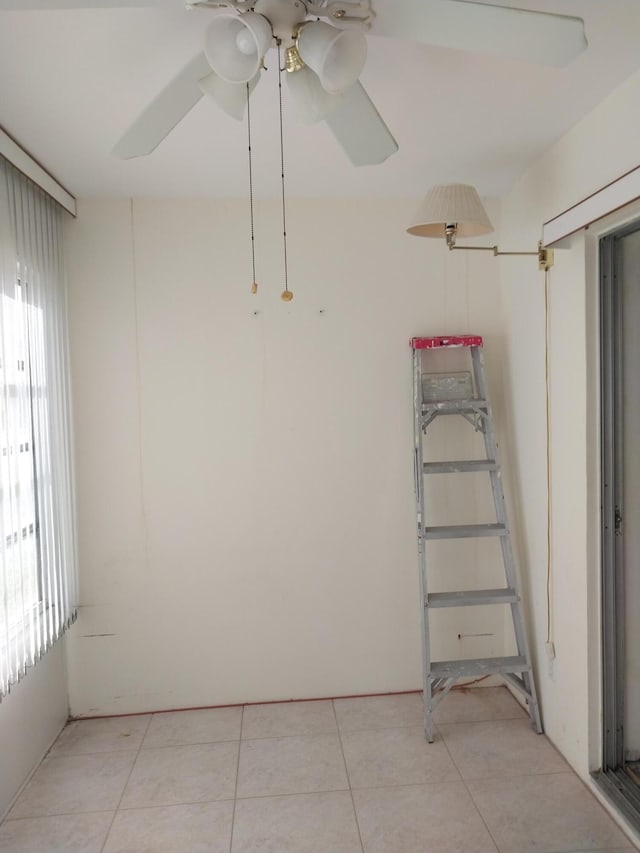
{"points": [[548, 447]]}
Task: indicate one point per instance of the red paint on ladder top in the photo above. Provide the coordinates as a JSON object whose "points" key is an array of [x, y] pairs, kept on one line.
{"points": [[447, 341]]}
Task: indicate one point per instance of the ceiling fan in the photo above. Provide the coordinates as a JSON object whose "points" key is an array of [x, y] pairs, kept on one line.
{"points": [[324, 47]]}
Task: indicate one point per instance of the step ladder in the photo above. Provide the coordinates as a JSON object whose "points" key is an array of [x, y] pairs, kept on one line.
{"points": [[464, 394]]}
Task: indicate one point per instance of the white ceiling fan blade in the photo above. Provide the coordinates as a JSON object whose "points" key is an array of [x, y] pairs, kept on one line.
{"points": [[360, 130], [466, 25], [164, 112]]}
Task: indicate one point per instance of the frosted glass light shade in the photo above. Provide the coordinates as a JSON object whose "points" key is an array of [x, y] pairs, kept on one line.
{"points": [[311, 102], [235, 45], [230, 97], [451, 204], [337, 56]]}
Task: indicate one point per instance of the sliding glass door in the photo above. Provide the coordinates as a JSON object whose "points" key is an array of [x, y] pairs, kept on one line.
{"points": [[620, 407]]}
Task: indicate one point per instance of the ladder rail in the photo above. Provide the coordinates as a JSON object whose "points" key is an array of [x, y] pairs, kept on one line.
{"points": [[422, 567], [506, 545]]}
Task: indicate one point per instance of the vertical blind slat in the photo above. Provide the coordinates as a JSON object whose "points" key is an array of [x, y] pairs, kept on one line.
{"points": [[38, 574]]}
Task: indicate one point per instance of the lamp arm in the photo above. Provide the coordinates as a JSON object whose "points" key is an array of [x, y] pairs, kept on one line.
{"points": [[545, 256], [493, 249]]}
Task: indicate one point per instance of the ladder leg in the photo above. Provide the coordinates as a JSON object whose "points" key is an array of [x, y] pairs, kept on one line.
{"points": [[534, 708], [428, 710], [422, 568]]}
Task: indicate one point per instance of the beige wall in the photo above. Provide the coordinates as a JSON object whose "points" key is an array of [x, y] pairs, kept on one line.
{"points": [[31, 717], [245, 481], [602, 147]]}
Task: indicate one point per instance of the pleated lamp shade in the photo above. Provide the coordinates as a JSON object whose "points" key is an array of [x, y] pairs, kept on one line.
{"points": [[451, 204]]}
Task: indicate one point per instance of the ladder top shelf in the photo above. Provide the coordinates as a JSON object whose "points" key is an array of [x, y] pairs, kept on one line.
{"points": [[439, 341]]}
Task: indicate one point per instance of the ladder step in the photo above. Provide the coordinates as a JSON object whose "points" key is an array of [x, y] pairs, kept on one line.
{"points": [[468, 598], [477, 668], [465, 531], [464, 466], [455, 407]]}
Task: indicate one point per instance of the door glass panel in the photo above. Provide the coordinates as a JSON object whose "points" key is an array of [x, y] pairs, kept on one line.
{"points": [[629, 279]]}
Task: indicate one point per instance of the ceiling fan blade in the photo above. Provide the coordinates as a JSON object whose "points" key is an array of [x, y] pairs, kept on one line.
{"points": [[360, 130], [164, 112], [539, 37]]}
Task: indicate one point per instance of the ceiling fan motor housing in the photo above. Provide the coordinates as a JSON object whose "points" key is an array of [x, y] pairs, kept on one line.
{"points": [[285, 16]]}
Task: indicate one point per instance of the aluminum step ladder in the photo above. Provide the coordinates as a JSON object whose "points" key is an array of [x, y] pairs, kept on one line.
{"points": [[464, 394]]}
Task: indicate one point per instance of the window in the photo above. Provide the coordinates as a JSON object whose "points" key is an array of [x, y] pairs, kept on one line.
{"points": [[22, 589], [37, 539]]}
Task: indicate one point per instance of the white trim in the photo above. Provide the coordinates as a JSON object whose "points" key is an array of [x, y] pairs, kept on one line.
{"points": [[34, 171], [604, 201]]}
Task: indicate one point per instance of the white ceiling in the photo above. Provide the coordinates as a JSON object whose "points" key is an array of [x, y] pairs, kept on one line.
{"points": [[72, 81]]}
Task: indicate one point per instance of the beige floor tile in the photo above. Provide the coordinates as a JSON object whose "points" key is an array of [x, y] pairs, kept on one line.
{"points": [[304, 823], [379, 712], [395, 757], [500, 748], [544, 814], [284, 719], [291, 765], [193, 828], [80, 833], [182, 774], [75, 783], [104, 735], [176, 728], [438, 818], [475, 704]]}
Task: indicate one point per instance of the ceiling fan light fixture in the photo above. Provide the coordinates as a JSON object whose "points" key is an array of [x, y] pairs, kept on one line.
{"points": [[236, 44], [450, 210], [230, 97], [311, 103], [336, 56]]}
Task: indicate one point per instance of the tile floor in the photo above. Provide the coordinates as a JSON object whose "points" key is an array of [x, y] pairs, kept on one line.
{"points": [[348, 776]]}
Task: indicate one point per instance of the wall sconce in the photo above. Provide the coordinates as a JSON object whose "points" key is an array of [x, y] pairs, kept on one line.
{"points": [[455, 210]]}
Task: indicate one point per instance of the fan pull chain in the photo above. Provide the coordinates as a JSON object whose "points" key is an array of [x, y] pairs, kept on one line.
{"points": [[254, 285], [286, 294]]}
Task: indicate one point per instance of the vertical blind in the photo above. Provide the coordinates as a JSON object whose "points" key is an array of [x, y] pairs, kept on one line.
{"points": [[37, 530]]}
